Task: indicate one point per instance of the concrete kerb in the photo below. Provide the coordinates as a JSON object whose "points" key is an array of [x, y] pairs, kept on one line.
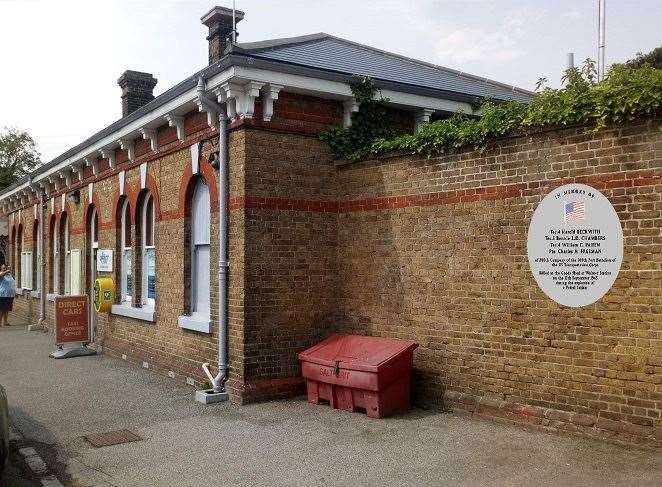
{"points": [[33, 460]]}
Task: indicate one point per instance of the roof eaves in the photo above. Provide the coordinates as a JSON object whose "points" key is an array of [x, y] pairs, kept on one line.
{"points": [[160, 100]]}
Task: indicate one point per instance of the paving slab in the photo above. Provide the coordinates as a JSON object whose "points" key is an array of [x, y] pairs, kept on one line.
{"points": [[286, 443]]}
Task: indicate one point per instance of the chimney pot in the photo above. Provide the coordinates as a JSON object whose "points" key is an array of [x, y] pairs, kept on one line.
{"points": [[219, 22], [137, 90]]}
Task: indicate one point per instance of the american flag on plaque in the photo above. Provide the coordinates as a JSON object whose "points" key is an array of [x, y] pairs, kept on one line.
{"points": [[573, 211]]}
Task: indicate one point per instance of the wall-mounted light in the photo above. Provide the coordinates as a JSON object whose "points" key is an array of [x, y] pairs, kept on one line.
{"points": [[74, 197]]}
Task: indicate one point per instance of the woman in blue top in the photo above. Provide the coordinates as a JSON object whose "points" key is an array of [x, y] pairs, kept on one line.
{"points": [[7, 293]]}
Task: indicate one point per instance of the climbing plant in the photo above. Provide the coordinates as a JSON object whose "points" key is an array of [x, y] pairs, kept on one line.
{"points": [[625, 94], [368, 124]]}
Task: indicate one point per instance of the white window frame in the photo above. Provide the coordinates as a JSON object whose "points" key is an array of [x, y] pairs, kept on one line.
{"points": [[200, 239], [146, 301], [38, 256], [21, 255], [125, 256], [26, 269], [94, 238], [75, 260], [56, 260], [67, 258]]}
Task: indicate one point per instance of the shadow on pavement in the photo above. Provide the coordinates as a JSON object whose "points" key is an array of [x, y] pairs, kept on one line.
{"points": [[51, 453]]}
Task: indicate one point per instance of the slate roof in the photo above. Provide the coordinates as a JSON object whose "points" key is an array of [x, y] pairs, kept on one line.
{"points": [[327, 52]]}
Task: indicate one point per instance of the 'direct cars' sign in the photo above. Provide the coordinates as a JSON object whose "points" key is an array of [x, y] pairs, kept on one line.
{"points": [[71, 319]]}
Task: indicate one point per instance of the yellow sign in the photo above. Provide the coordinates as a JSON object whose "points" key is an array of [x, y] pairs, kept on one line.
{"points": [[104, 294]]}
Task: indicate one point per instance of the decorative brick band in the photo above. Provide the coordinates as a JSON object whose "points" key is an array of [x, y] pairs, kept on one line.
{"points": [[556, 420], [624, 179], [316, 206]]}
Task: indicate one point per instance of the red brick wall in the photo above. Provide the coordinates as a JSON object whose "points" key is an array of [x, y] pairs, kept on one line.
{"points": [[290, 256], [430, 249], [435, 250]]}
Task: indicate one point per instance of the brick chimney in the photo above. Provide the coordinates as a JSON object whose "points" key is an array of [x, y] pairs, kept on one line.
{"points": [[219, 22], [137, 90]]}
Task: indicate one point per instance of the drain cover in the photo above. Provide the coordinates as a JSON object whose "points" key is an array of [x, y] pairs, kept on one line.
{"points": [[112, 438]]}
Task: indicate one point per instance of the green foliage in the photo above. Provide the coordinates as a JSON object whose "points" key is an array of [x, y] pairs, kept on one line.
{"points": [[18, 156], [653, 58], [368, 124], [568, 106], [626, 93]]}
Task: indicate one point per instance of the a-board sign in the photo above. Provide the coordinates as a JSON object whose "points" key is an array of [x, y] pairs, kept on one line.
{"points": [[71, 319], [104, 294]]}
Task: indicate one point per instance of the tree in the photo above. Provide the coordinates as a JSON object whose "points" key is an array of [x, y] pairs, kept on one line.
{"points": [[654, 58], [18, 155]]}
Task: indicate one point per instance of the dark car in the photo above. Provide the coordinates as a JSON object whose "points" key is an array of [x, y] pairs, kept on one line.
{"points": [[4, 431]]}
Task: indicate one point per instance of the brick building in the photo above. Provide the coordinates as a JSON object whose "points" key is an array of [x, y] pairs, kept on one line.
{"points": [[401, 246]]}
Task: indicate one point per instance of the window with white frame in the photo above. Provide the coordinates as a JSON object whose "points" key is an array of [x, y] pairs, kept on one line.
{"points": [[26, 269], [66, 253], [148, 252], [56, 262], [36, 268], [26, 264], [19, 255], [12, 258], [94, 227], [200, 251], [51, 256], [126, 253]]}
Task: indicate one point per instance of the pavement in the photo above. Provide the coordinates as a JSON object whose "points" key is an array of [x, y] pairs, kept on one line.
{"points": [[53, 403]]}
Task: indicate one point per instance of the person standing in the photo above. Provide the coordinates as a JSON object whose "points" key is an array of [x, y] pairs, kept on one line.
{"points": [[7, 293]]}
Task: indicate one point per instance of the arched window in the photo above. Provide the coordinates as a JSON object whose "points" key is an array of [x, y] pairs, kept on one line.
{"points": [[92, 243], [19, 256], [12, 257], [52, 245], [148, 269], [64, 253], [33, 261], [125, 251], [200, 251], [94, 238], [39, 256]]}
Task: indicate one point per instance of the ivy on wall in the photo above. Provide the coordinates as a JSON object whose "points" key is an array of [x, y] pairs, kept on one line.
{"points": [[625, 94], [368, 124]]}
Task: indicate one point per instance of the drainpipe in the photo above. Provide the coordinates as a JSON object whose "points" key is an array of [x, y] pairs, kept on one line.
{"points": [[210, 105], [41, 324]]}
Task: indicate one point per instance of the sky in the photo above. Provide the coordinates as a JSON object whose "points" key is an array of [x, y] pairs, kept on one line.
{"points": [[61, 58]]}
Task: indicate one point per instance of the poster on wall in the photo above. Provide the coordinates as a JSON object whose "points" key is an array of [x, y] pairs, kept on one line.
{"points": [[105, 260], [575, 245]]}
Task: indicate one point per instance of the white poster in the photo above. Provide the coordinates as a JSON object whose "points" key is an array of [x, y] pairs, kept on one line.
{"points": [[105, 260], [75, 272]]}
